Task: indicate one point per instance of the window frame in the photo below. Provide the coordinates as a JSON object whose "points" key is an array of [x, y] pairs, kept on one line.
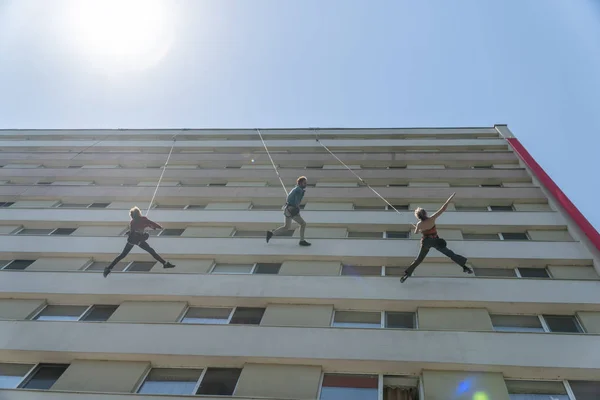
{"points": [[565, 383], [253, 270], [35, 316], [52, 231], [381, 319], [527, 237], [380, 379], [12, 261], [25, 381], [25, 376], [229, 318]]}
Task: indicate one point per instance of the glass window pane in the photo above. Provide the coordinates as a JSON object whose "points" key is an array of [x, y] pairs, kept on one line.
{"points": [[19, 264], [63, 231], [100, 313], [32, 231], [247, 316], [400, 320], [516, 323], [12, 374], [397, 235], [501, 208], [471, 208], [232, 269], [219, 381], [61, 313], [267, 268], [585, 390], [141, 266], [357, 319], [495, 272], [366, 235], [349, 387], [514, 236], [361, 270], [99, 205], [45, 376], [73, 205], [481, 236], [534, 273], [562, 323], [534, 390], [100, 265], [199, 315], [171, 381]]}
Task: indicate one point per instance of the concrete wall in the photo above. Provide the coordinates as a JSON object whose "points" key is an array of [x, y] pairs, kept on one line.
{"points": [[58, 264], [102, 376], [310, 268], [297, 315], [590, 321], [457, 319], [15, 309]]}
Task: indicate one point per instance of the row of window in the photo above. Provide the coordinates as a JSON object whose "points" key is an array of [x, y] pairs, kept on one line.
{"points": [[223, 382], [274, 269], [341, 318], [274, 207], [326, 167]]}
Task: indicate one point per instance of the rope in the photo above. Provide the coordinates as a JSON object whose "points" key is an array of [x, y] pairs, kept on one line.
{"points": [[161, 175], [355, 174], [272, 162]]}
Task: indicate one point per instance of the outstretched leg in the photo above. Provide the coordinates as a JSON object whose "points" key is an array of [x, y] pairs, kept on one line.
{"points": [[146, 246], [279, 231], [457, 258], [411, 268], [121, 256], [302, 224]]}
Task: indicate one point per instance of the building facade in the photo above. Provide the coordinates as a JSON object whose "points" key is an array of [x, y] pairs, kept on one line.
{"points": [[241, 317]]}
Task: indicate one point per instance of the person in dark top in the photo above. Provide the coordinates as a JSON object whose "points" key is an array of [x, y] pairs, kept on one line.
{"points": [[431, 239], [292, 212], [137, 236]]}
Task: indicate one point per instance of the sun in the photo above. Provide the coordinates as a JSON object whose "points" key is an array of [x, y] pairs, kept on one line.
{"points": [[121, 34]]}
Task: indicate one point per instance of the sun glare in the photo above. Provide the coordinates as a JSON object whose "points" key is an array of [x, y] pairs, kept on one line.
{"points": [[122, 34]]}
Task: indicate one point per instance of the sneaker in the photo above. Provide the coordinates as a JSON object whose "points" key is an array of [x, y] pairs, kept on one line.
{"points": [[304, 243], [404, 278], [106, 272], [168, 265], [269, 236], [467, 269]]}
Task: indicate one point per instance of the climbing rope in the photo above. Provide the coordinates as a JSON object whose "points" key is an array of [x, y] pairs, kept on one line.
{"points": [[355, 174], [161, 175], [272, 162]]}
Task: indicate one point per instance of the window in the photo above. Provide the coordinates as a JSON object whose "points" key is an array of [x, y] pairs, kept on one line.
{"points": [[247, 316], [471, 208], [361, 270], [397, 235], [481, 236], [400, 320], [562, 324], [12, 374], [491, 185], [516, 323], [140, 266], [357, 319], [399, 207], [501, 208], [168, 207], [100, 265], [171, 232], [73, 205], [19, 264], [63, 231], [533, 272], [394, 271], [44, 376], [400, 388], [398, 185], [99, 205], [217, 184], [200, 315], [61, 313], [585, 390], [483, 166], [267, 268], [233, 269], [536, 390], [171, 381], [219, 381], [99, 313], [397, 167], [74, 166], [242, 233], [45, 183], [196, 207], [366, 235], [369, 208], [514, 236], [314, 167], [495, 272], [32, 231], [349, 387], [6, 204]]}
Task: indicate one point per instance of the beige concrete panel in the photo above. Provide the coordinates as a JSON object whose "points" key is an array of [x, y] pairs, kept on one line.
{"points": [[14, 309], [35, 204], [149, 311], [100, 166], [573, 272], [208, 231], [532, 207], [246, 184], [72, 183], [447, 269], [337, 184], [257, 166], [431, 207], [437, 385], [58, 264], [450, 234], [454, 319], [162, 183], [310, 268], [428, 184], [186, 266], [590, 321], [340, 166], [323, 233], [22, 166], [279, 381], [228, 206], [425, 166], [507, 166], [8, 229], [550, 236], [317, 206], [101, 376], [518, 184], [297, 315], [123, 205], [99, 231]]}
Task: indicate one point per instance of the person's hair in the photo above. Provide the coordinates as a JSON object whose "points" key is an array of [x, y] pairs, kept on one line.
{"points": [[300, 180], [421, 214], [135, 213]]}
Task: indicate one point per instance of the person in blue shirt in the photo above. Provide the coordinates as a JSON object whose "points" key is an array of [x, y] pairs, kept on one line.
{"points": [[292, 212]]}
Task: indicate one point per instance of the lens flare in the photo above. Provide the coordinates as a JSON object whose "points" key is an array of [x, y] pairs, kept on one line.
{"points": [[480, 396]]}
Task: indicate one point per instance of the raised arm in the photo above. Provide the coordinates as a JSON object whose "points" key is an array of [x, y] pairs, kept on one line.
{"points": [[152, 224], [443, 208]]}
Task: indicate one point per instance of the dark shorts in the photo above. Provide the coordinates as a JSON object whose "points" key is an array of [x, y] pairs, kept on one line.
{"points": [[137, 238], [433, 241]]}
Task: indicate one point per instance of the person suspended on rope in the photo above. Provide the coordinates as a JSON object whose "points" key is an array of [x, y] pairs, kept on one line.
{"points": [[431, 239], [137, 236], [292, 212]]}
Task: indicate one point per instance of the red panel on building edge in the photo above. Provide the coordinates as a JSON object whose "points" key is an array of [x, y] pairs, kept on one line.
{"points": [[558, 194]]}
